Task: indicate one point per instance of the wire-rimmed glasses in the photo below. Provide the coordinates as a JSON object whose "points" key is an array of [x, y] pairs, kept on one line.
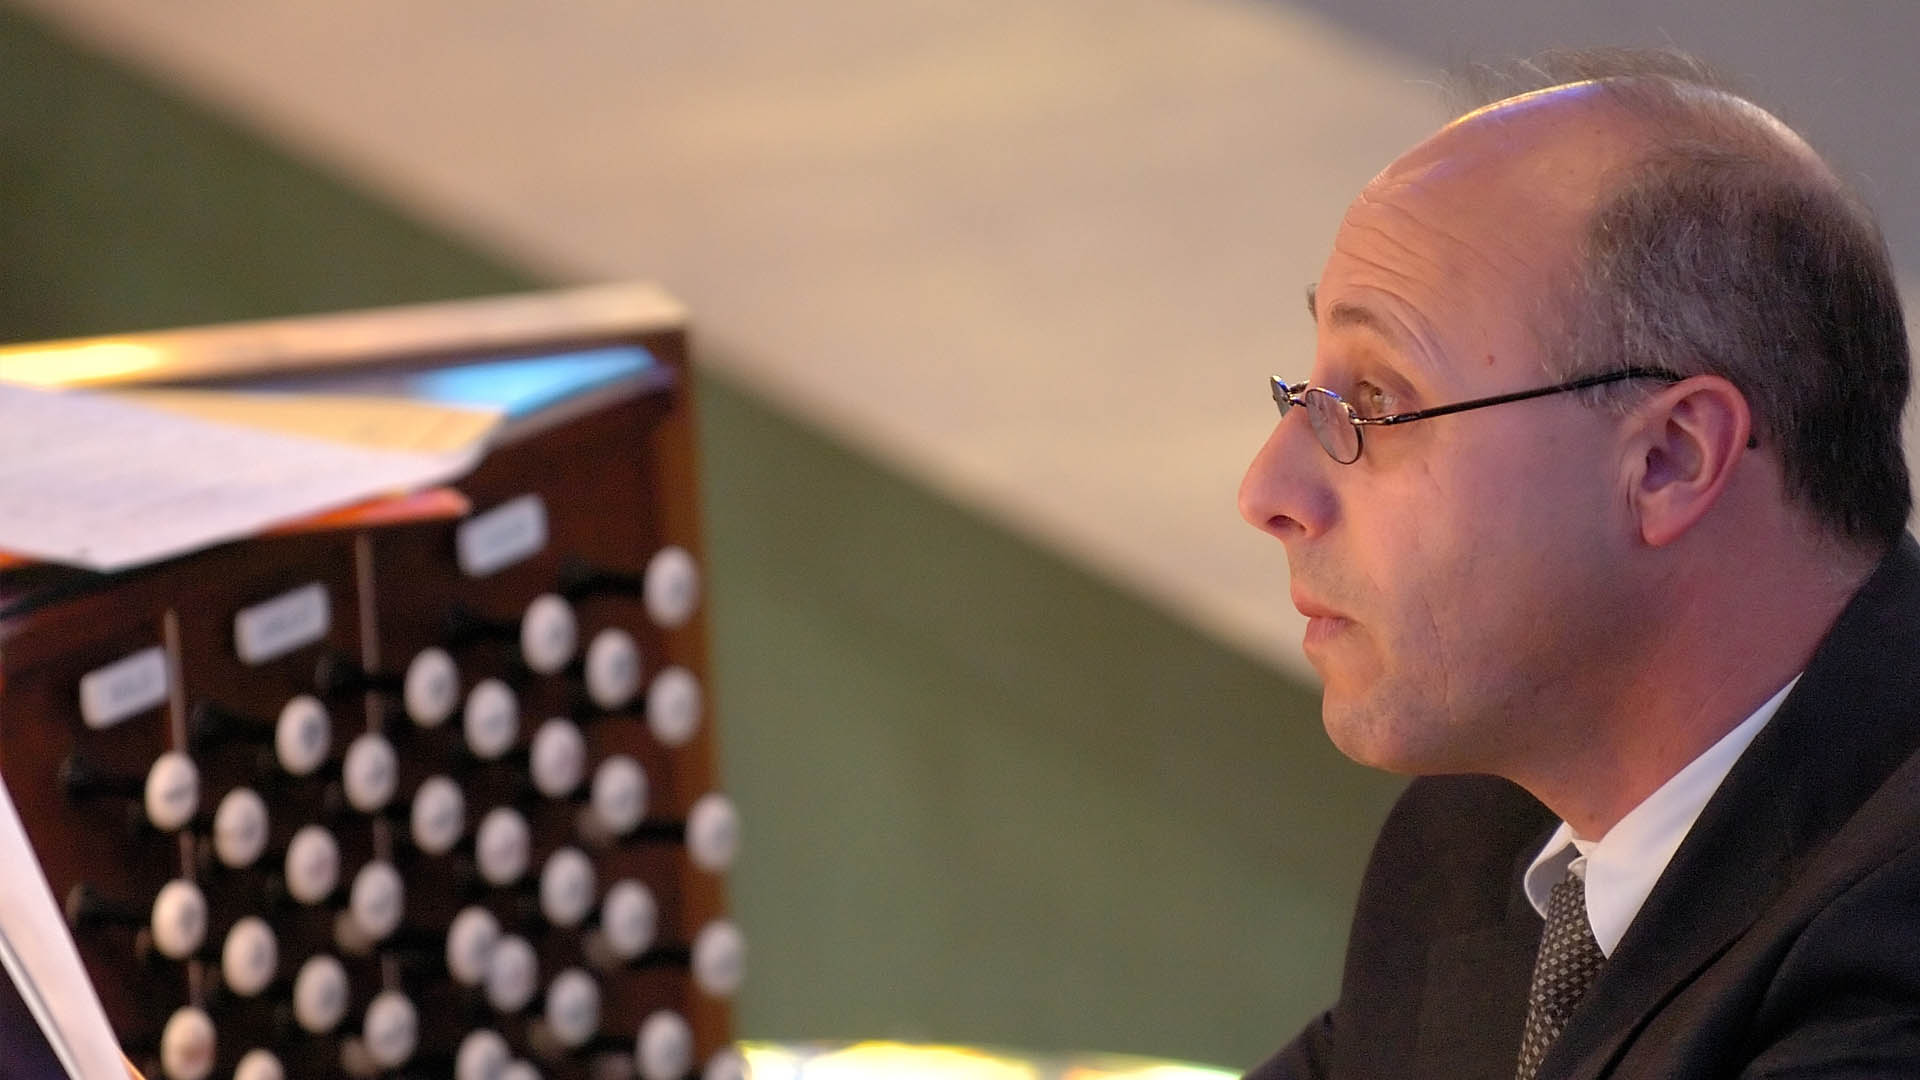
{"points": [[1337, 424]]}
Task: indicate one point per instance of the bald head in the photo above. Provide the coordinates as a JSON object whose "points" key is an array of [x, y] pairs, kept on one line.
{"points": [[1675, 224]]}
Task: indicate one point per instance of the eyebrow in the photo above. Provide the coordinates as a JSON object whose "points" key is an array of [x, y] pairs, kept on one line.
{"points": [[1361, 317]]}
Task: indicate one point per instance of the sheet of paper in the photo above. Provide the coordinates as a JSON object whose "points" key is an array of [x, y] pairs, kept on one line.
{"points": [[380, 423], [39, 956], [105, 484]]}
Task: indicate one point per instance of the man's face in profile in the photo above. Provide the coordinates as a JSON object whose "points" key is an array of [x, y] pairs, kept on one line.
{"points": [[1456, 574]]}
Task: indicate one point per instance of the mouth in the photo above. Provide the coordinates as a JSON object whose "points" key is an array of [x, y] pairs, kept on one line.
{"points": [[1323, 622]]}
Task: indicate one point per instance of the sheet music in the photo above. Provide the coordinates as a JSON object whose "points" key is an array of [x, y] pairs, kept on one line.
{"points": [[106, 484], [39, 956]]}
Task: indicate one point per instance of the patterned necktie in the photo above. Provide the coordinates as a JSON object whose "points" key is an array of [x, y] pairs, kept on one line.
{"points": [[1568, 961]]}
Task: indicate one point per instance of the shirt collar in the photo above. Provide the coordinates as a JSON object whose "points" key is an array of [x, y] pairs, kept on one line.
{"points": [[1621, 867]]}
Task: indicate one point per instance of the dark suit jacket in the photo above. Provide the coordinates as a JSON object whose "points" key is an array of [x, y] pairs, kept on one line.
{"points": [[1782, 940]]}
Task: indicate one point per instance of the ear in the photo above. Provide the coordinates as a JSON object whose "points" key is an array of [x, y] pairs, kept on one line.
{"points": [[1683, 444]]}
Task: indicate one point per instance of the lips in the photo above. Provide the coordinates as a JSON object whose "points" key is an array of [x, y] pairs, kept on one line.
{"points": [[1312, 608]]}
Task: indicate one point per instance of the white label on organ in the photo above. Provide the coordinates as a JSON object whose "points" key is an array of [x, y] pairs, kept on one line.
{"points": [[664, 1048], [124, 688], [470, 941], [504, 535], [275, 628], [187, 1045], [250, 956]]}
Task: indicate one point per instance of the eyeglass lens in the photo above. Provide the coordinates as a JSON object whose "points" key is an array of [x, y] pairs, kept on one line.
{"points": [[1327, 415]]}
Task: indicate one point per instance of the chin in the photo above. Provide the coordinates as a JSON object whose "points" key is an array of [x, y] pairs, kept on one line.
{"points": [[1383, 738]]}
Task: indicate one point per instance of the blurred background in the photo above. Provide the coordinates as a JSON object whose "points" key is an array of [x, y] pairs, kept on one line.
{"points": [[985, 295]]}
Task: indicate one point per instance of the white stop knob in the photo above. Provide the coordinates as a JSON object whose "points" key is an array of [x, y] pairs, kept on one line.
{"points": [[573, 1007], [370, 773], [431, 688], [173, 791], [391, 1029], [438, 817], [320, 995], [179, 919], [629, 918], [671, 587], [249, 957], [519, 1069], [613, 668], [664, 1048], [558, 758], [377, 900], [240, 828], [258, 1064], [713, 832], [503, 846], [719, 958], [187, 1045], [513, 974], [302, 735], [548, 634], [566, 887], [313, 865], [470, 941], [619, 795], [492, 719], [482, 1056], [674, 703], [726, 1065]]}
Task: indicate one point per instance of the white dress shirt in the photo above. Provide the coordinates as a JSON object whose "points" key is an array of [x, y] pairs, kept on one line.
{"points": [[1621, 867]]}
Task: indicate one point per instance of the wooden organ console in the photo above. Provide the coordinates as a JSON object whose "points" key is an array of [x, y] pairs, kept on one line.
{"points": [[402, 797]]}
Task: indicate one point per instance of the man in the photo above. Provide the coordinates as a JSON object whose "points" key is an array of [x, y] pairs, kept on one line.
{"points": [[1595, 501]]}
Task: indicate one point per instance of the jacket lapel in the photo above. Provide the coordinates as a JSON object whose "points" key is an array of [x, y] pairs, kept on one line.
{"points": [[1846, 727]]}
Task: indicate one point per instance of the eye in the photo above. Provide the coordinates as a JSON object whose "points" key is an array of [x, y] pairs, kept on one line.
{"points": [[1370, 400]]}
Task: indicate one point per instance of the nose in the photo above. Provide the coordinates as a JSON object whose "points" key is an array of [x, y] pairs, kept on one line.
{"points": [[1285, 492]]}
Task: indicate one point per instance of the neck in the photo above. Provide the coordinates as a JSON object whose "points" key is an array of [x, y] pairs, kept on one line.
{"points": [[1726, 641]]}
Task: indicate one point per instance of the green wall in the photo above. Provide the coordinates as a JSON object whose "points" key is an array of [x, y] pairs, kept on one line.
{"points": [[988, 797]]}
